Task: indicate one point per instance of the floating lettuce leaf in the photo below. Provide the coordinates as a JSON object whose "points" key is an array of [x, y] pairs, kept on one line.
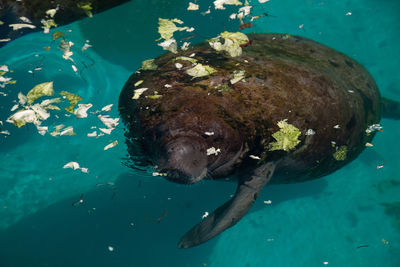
{"points": [[57, 34], [341, 153], [219, 4], [155, 95], [167, 27], [200, 70], [149, 65], [86, 7], [23, 117], [72, 98], [286, 138], [81, 111], [139, 92], [237, 76], [192, 60], [232, 43], [42, 89], [170, 45], [47, 24]]}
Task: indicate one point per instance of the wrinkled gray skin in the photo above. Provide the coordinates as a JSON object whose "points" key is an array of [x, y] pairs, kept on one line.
{"points": [[309, 84]]}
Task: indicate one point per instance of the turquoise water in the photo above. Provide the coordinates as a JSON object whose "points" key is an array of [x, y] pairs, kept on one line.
{"points": [[317, 223]]}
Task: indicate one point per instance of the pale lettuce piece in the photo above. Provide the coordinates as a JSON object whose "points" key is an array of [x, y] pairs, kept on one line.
{"points": [[200, 70], [107, 108], [107, 131], [42, 89], [22, 99], [193, 6], [57, 129], [47, 24], [81, 111], [286, 138], [68, 131], [232, 43], [213, 151], [111, 145], [22, 117], [25, 19], [219, 4], [4, 68], [92, 134], [167, 27], [18, 26], [42, 129], [237, 76], [244, 11], [41, 113], [139, 92], [87, 8], [72, 165], [14, 107], [109, 122], [66, 48], [47, 104], [51, 12], [149, 65], [185, 46], [170, 45]]}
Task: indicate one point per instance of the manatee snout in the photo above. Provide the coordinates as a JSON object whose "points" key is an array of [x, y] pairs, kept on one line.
{"points": [[184, 160]]}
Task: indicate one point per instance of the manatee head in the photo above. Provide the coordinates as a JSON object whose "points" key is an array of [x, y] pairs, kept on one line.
{"points": [[189, 146]]}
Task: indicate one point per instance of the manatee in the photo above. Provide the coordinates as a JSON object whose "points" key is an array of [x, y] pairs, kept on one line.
{"points": [[35, 10], [287, 110]]}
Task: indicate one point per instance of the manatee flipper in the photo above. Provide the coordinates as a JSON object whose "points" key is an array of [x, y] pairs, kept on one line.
{"points": [[232, 211], [390, 108]]}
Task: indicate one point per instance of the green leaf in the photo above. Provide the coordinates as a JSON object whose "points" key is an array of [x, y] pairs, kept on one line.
{"points": [[42, 89], [341, 153], [232, 43], [286, 138], [167, 27], [237, 76], [200, 70], [57, 34], [86, 7], [149, 65], [192, 60]]}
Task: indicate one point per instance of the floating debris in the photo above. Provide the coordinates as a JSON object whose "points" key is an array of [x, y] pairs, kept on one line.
{"points": [[205, 215], [310, 132], [213, 151], [19, 26], [81, 111], [193, 6], [111, 145], [232, 44]]}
